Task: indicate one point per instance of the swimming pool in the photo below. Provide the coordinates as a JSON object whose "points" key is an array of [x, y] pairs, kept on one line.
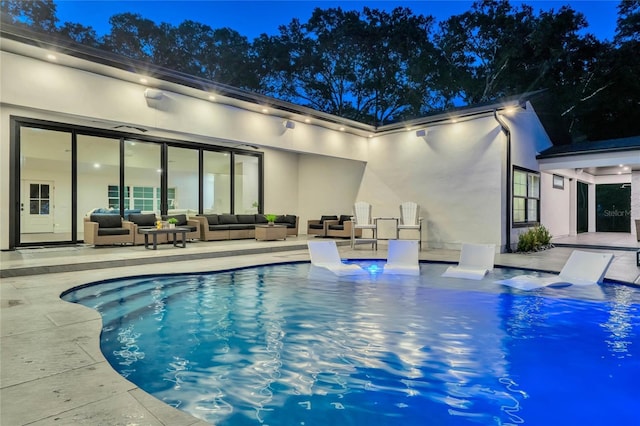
{"points": [[265, 345]]}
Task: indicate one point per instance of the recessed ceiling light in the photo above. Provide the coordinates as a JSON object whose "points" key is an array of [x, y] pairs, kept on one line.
{"points": [[306, 120], [265, 110], [212, 98], [454, 120], [96, 165], [143, 80], [342, 129], [51, 57]]}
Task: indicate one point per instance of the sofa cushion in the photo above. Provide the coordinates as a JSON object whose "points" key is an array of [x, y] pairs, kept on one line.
{"points": [[212, 219], [336, 227], [107, 220], [225, 219], [288, 220], [344, 218], [260, 218], [246, 218], [323, 218], [181, 218], [140, 219], [113, 231], [236, 226], [316, 226]]}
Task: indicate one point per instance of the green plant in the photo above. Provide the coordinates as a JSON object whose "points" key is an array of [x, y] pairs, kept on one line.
{"points": [[534, 239], [172, 220], [270, 217]]}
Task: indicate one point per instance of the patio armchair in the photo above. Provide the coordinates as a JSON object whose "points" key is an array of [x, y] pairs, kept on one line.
{"points": [[318, 227], [363, 221], [341, 228], [107, 229], [410, 220]]}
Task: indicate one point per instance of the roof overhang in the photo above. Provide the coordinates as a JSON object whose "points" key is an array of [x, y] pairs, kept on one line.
{"points": [[38, 46], [609, 157]]}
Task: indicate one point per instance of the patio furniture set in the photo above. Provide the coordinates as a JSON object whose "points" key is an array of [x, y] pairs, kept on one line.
{"points": [[353, 226], [110, 229]]}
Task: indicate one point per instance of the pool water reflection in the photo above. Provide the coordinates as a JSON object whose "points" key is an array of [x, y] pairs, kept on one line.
{"points": [[265, 345]]}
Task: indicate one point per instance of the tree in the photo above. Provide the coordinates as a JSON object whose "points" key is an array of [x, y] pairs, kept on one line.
{"points": [[38, 15]]}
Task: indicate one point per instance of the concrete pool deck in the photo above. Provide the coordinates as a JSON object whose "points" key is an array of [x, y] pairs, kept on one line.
{"points": [[51, 367]]}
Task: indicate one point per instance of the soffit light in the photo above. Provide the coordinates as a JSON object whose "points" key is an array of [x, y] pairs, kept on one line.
{"points": [[52, 57]]}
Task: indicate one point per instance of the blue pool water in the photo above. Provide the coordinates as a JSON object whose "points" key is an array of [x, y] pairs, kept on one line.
{"points": [[265, 345]]}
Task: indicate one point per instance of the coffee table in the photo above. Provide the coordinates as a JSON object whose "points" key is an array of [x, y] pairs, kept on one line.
{"points": [[155, 232], [271, 232]]}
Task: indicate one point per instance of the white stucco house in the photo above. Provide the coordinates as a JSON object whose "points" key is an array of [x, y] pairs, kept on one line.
{"points": [[82, 129]]}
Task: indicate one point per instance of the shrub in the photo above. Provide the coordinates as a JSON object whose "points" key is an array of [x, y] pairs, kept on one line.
{"points": [[534, 239]]}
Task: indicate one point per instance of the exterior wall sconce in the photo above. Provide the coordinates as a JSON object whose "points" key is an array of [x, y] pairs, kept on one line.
{"points": [[153, 94], [288, 124], [421, 133]]}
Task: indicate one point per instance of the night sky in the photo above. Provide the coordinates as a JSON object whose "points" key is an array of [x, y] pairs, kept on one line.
{"points": [[252, 18]]}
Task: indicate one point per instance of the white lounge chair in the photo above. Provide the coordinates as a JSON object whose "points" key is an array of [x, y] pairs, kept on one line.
{"points": [[402, 258], [325, 257], [410, 220], [475, 261], [582, 268], [362, 220]]}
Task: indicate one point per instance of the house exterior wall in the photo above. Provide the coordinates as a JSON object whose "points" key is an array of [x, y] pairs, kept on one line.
{"points": [[635, 202], [457, 173], [454, 174]]}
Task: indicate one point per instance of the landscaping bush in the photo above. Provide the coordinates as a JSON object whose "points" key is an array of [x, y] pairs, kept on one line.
{"points": [[535, 239]]}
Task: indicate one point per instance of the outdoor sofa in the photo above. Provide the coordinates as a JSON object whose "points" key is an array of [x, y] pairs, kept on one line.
{"points": [[217, 227]]}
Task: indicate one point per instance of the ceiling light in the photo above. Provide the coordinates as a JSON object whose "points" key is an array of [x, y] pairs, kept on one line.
{"points": [[143, 80], [212, 98], [96, 165], [51, 57], [342, 129], [265, 110], [306, 120]]}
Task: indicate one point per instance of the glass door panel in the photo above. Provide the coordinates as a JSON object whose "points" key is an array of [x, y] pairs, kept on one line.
{"points": [[98, 176], [142, 176], [45, 180], [182, 191], [217, 182], [246, 184]]}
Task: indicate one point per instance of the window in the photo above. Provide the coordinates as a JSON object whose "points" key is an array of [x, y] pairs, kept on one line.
{"points": [[114, 197], [143, 197], [526, 197]]}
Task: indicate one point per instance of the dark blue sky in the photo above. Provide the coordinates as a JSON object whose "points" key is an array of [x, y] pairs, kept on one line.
{"points": [[251, 18]]}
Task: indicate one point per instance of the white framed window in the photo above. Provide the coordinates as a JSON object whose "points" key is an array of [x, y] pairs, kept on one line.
{"points": [[526, 197], [145, 198]]}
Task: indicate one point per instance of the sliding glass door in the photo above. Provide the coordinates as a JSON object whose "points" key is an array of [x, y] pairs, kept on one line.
{"points": [[45, 185], [142, 178], [182, 181], [65, 174]]}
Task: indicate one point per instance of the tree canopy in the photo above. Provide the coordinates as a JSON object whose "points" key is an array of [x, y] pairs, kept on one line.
{"points": [[381, 67]]}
